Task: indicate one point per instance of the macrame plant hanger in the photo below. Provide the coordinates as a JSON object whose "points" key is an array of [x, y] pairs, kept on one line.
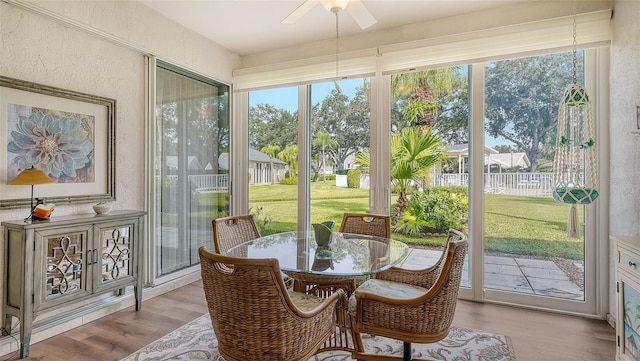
{"points": [[574, 165]]}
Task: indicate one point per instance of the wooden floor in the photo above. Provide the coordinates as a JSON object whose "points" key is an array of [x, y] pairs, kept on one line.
{"points": [[536, 336]]}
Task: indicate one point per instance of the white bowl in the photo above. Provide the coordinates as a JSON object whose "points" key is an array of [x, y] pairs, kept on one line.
{"points": [[101, 208]]}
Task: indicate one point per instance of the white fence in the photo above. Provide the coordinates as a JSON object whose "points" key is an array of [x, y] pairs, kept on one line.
{"points": [[341, 181], [520, 184], [207, 183]]}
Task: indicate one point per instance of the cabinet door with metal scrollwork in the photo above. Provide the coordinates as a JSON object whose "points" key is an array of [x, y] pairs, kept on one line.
{"points": [[114, 254], [63, 262]]}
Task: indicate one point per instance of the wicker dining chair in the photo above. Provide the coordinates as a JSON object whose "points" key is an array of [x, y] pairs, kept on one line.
{"points": [[367, 224], [229, 232], [253, 315], [410, 305]]}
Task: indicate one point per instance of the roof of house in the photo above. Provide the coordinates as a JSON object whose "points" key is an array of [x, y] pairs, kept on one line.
{"points": [[455, 150], [508, 160], [254, 156], [193, 163], [504, 160]]}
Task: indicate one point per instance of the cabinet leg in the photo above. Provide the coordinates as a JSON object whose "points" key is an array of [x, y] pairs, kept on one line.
{"points": [[137, 292], [24, 346], [26, 328]]}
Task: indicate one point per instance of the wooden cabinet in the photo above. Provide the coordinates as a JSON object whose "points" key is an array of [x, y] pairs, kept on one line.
{"points": [[66, 260], [627, 256]]}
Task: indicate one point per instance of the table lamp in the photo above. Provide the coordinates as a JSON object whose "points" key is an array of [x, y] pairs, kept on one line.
{"points": [[31, 176]]}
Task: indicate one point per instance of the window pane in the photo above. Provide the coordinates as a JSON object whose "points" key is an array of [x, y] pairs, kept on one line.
{"points": [[273, 159], [526, 245], [191, 171], [340, 128], [429, 162]]}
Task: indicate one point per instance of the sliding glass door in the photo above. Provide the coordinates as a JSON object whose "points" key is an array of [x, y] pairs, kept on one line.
{"points": [[429, 160], [528, 257], [191, 183]]}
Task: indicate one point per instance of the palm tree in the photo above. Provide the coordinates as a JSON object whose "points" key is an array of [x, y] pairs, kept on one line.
{"points": [[413, 151], [421, 89], [323, 139], [289, 155], [271, 150]]}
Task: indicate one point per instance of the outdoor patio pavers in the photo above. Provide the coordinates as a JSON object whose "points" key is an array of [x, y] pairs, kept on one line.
{"points": [[502, 269], [553, 273], [522, 275], [500, 260], [535, 263], [505, 282], [420, 258]]}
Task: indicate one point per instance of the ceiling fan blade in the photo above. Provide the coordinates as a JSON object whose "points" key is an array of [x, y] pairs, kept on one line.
{"points": [[300, 11], [361, 14]]}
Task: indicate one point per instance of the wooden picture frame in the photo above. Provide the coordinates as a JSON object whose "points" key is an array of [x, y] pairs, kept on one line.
{"points": [[68, 135]]}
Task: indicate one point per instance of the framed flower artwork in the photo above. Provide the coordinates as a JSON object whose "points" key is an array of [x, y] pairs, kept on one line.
{"points": [[68, 135]]}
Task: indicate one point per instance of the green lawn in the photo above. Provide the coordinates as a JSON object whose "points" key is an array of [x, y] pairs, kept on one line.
{"points": [[516, 225]]}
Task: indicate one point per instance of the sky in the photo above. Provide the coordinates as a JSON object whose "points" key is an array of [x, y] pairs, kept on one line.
{"points": [[287, 98]]}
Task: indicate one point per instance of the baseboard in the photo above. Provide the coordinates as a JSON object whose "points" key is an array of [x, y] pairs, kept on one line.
{"points": [[53, 326]]}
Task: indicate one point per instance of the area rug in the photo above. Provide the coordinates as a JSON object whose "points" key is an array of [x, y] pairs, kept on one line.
{"points": [[196, 341]]}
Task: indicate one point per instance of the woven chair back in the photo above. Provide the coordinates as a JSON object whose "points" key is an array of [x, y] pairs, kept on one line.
{"points": [[367, 224], [230, 231]]}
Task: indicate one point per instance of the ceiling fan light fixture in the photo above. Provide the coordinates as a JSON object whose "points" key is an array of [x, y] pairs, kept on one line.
{"points": [[356, 9], [334, 5]]}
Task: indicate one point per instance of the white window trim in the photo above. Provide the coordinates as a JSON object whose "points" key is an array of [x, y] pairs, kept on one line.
{"points": [[549, 35]]}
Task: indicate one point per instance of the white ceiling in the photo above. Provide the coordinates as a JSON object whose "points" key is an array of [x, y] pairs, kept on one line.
{"points": [[252, 26]]}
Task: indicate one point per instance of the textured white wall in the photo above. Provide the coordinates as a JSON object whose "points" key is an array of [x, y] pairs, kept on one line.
{"points": [[38, 49], [624, 214]]}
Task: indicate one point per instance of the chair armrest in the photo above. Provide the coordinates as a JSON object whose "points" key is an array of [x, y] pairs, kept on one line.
{"points": [[428, 312], [414, 296], [328, 303], [423, 277]]}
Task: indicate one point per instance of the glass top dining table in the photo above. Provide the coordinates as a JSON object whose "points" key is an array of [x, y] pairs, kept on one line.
{"points": [[348, 255]]}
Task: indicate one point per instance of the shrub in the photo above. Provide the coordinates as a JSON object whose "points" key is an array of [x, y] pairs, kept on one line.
{"points": [[413, 221], [435, 210], [289, 181], [263, 221], [353, 178]]}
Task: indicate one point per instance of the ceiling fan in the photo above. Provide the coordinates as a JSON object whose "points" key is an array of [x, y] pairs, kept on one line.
{"points": [[356, 8]]}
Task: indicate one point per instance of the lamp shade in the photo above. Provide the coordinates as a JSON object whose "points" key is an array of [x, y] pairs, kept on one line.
{"points": [[30, 176]]}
